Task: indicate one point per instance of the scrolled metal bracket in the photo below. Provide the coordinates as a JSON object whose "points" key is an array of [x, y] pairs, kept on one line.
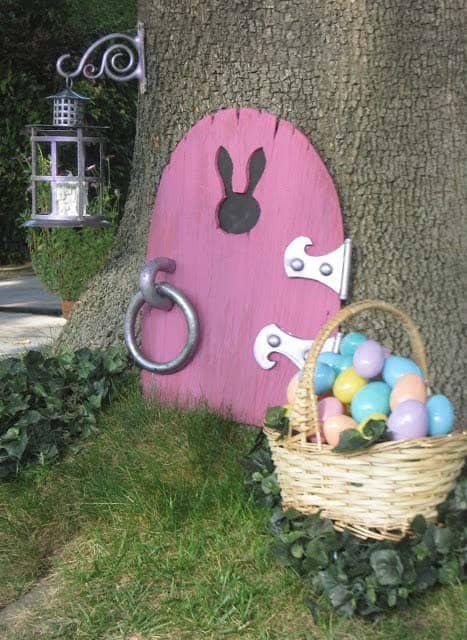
{"points": [[161, 295], [122, 46]]}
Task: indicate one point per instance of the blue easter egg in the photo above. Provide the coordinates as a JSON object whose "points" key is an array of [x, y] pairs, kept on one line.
{"points": [[350, 342], [335, 360], [324, 378], [440, 415], [373, 398], [396, 366]]}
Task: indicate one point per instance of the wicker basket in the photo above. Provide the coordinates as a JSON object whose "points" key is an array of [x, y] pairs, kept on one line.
{"points": [[374, 493]]}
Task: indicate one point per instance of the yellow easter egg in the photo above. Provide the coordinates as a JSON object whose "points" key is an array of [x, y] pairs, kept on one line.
{"points": [[408, 387], [292, 389], [334, 425], [346, 385]]}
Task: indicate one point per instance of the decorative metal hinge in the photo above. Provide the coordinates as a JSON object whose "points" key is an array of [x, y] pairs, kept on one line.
{"points": [[331, 269], [272, 339], [129, 49]]}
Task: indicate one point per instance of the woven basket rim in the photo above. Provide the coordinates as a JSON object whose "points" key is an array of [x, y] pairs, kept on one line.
{"points": [[425, 442]]}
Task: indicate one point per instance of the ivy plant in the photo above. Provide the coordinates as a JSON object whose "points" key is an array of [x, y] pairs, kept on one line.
{"points": [[47, 403], [364, 577]]}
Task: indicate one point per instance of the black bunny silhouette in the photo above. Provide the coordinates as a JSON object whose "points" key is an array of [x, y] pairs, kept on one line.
{"points": [[239, 212]]}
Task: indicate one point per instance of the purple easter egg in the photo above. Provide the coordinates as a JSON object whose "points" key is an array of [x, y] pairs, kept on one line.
{"points": [[368, 359], [408, 420]]}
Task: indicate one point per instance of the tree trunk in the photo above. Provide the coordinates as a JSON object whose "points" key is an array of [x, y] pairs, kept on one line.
{"points": [[378, 89]]}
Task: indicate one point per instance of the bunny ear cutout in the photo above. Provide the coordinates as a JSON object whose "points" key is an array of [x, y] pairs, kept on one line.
{"points": [[255, 169], [225, 166]]}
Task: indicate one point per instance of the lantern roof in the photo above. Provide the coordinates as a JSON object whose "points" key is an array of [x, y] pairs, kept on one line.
{"points": [[69, 94]]}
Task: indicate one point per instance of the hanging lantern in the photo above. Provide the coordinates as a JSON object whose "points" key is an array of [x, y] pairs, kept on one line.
{"points": [[67, 167]]}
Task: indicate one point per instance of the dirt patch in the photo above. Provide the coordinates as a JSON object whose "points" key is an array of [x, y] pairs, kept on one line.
{"points": [[18, 614]]}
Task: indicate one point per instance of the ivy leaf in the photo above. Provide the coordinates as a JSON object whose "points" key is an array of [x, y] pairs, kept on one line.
{"points": [[316, 552], [270, 485], [297, 550], [426, 579], [342, 600], [387, 566], [450, 572], [392, 598], [356, 439], [444, 540], [418, 525], [276, 419]]}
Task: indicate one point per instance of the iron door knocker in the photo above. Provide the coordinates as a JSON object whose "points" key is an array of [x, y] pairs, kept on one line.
{"points": [[160, 295]]}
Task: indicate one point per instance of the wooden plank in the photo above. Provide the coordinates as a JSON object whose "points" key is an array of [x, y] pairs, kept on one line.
{"points": [[237, 281]]}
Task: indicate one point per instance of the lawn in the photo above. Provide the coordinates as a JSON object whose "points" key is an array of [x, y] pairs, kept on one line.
{"points": [[149, 532]]}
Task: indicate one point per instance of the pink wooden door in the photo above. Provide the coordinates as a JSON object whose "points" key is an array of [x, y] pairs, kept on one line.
{"points": [[234, 275]]}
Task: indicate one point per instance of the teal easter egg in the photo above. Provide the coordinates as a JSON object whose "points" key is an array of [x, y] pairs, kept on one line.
{"points": [[396, 366], [351, 342], [440, 415], [335, 360], [324, 378], [373, 398], [344, 363]]}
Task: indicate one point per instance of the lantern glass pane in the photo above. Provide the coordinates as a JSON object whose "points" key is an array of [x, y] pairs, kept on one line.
{"points": [[67, 163], [42, 159], [92, 168], [43, 193]]}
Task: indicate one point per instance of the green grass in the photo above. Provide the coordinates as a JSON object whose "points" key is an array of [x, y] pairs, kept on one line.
{"points": [[151, 534]]}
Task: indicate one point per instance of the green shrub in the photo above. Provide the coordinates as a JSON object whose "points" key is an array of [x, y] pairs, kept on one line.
{"points": [[364, 577], [64, 259], [46, 403]]}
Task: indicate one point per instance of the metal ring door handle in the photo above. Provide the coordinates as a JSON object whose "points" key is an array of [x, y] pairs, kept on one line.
{"points": [[169, 295]]}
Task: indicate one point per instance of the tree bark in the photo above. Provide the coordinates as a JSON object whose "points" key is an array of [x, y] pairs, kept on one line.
{"points": [[378, 89]]}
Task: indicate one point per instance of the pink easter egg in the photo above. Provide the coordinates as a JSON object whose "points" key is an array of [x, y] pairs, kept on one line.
{"points": [[334, 425], [408, 387], [328, 407]]}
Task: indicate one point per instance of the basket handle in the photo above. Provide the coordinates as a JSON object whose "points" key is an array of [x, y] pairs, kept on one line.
{"points": [[304, 416]]}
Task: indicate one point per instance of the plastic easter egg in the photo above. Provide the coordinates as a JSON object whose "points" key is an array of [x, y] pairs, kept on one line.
{"points": [[440, 415], [344, 363], [335, 360], [374, 398], [324, 378], [408, 420], [396, 366], [347, 384], [328, 407], [368, 359], [291, 389], [334, 426], [330, 358], [408, 387], [350, 342]]}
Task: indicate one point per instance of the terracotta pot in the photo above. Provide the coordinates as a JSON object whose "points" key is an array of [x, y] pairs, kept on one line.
{"points": [[67, 308]]}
